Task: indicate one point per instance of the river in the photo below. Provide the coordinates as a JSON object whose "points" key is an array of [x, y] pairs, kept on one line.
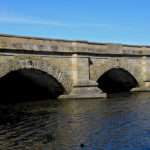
{"points": [[121, 122]]}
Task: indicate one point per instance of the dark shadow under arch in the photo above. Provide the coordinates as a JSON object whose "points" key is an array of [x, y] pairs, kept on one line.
{"points": [[28, 84], [117, 80]]}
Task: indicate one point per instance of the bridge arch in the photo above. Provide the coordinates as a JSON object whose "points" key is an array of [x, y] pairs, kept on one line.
{"points": [[29, 85], [116, 80], [39, 65]]}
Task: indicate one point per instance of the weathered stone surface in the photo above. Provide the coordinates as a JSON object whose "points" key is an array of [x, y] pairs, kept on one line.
{"points": [[75, 64]]}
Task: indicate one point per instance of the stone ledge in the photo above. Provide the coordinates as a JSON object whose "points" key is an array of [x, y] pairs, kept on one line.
{"points": [[99, 96], [141, 89]]}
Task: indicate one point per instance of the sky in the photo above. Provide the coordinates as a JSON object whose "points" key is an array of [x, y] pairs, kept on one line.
{"points": [[105, 21]]}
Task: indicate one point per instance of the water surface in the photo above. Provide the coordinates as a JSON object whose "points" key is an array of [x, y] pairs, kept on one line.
{"points": [[118, 123]]}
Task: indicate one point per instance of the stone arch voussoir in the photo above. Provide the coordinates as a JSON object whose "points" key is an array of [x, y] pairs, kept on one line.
{"points": [[134, 71], [13, 65]]}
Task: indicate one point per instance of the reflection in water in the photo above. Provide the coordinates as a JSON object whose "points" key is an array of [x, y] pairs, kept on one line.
{"points": [[115, 123]]}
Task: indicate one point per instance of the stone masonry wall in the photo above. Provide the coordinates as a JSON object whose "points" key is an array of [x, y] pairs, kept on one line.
{"points": [[139, 67], [55, 66]]}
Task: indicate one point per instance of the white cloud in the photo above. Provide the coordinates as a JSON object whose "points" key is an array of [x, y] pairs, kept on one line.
{"points": [[28, 21], [7, 18]]}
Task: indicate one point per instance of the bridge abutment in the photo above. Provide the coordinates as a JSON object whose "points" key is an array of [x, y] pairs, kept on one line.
{"points": [[83, 87]]}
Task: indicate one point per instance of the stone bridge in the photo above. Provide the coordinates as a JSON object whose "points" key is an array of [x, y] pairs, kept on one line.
{"points": [[75, 69]]}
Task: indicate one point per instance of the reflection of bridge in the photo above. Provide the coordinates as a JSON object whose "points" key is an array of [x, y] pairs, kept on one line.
{"points": [[73, 68]]}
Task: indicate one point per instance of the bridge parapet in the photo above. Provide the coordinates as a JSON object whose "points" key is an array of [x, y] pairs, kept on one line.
{"points": [[19, 43]]}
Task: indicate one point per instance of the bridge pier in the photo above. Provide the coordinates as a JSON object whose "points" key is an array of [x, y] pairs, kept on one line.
{"points": [[83, 87], [84, 90]]}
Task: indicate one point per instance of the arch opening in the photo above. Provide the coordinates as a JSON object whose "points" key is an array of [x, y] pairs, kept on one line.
{"points": [[29, 84], [117, 80]]}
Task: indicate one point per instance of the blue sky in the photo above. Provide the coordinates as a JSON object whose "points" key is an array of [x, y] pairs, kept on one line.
{"points": [[118, 21]]}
